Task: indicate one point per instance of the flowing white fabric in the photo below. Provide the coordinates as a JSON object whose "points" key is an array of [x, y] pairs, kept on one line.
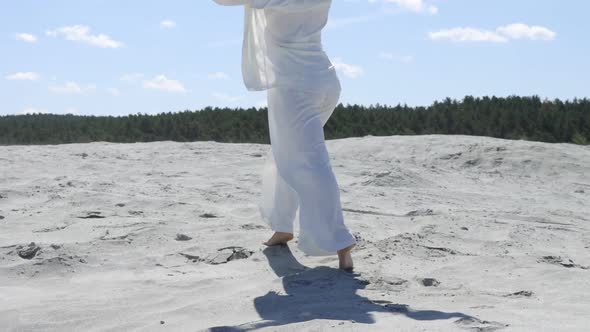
{"points": [[257, 70], [298, 172], [282, 42], [282, 53]]}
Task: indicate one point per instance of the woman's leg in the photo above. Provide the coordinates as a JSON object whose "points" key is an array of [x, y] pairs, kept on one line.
{"points": [[279, 202], [331, 101], [302, 160]]}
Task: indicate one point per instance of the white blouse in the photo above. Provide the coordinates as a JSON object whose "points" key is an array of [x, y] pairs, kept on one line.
{"points": [[282, 42]]}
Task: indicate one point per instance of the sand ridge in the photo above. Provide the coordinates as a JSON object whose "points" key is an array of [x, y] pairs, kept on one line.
{"points": [[454, 233]]}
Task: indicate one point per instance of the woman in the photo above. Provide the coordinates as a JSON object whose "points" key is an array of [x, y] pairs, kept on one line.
{"points": [[282, 53]]}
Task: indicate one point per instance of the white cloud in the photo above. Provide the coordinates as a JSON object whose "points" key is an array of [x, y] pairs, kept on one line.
{"points": [[226, 98], [396, 57], [23, 76], [168, 24], [467, 35], [80, 33], [26, 37], [163, 83], [347, 70], [218, 76], [500, 35], [417, 6], [71, 87], [523, 31], [133, 77], [114, 92]]}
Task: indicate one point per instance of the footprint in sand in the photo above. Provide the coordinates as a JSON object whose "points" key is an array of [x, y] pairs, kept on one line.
{"points": [[429, 282], [222, 256], [29, 251], [472, 162], [183, 237], [388, 284], [51, 229], [565, 262], [92, 215], [451, 156], [228, 254], [251, 226], [420, 212], [523, 293], [475, 324]]}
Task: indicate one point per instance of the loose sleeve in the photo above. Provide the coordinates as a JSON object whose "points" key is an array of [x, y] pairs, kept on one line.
{"points": [[257, 69]]}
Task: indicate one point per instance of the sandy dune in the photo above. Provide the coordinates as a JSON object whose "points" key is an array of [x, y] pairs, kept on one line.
{"points": [[455, 233]]}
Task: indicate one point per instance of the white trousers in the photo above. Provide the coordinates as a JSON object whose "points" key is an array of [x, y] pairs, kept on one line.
{"points": [[298, 173]]}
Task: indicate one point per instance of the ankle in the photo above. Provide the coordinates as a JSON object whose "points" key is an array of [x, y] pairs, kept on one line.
{"points": [[346, 249]]}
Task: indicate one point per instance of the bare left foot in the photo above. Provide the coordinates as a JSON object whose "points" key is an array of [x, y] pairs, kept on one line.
{"points": [[279, 238], [345, 258]]}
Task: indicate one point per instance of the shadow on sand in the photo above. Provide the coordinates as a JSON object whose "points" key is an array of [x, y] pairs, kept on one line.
{"points": [[321, 293]]}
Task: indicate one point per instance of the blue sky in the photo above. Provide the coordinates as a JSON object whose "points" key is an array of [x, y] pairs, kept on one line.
{"points": [[118, 57]]}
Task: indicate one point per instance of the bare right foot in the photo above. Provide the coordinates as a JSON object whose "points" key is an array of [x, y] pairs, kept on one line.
{"points": [[279, 238], [345, 258]]}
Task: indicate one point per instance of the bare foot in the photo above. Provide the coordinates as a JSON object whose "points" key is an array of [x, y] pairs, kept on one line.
{"points": [[345, 258], [279, 238]]}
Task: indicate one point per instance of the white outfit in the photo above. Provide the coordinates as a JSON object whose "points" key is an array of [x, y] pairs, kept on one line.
{"points": [[282, 53]]}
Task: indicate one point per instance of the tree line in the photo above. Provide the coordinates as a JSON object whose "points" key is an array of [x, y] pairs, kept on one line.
{"points": [[514, 117]]}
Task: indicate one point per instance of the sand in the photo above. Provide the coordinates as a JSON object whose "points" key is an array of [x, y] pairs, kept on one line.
{"points": [[455, 233]]}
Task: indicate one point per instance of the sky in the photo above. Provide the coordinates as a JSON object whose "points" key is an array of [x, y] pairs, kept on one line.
{"points": [[114, 57]]}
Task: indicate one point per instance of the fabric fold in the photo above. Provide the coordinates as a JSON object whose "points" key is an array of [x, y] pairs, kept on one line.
{"points": [[257, 70]]}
